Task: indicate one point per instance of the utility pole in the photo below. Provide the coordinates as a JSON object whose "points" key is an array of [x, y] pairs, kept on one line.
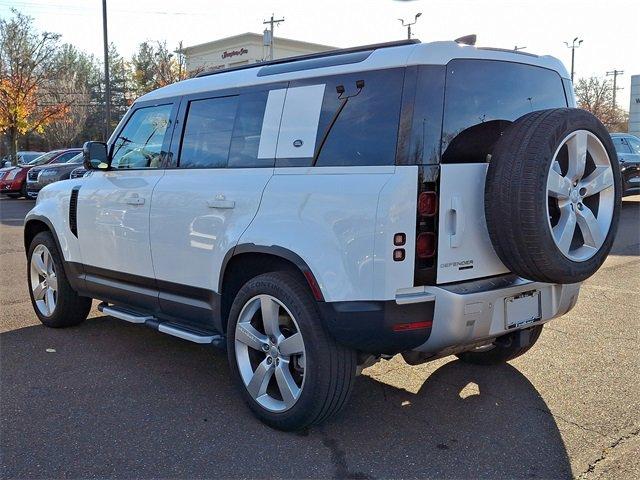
{"points": [[272, 23], [408, 25], [614, 73], [573, 47], [107, 88]]}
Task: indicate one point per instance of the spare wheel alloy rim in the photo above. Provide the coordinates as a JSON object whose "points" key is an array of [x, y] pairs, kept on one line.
{"points": [[580, 195], [44, 282], [270, 353]]}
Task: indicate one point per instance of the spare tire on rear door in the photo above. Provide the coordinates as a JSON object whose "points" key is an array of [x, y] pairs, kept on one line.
{"points": [[552, 195]]}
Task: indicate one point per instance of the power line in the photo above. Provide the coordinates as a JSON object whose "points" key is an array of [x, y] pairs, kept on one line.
{"points": [[614, 73]]}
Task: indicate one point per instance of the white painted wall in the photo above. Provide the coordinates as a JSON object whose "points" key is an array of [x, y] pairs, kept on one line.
{"points": [[634, 107]]}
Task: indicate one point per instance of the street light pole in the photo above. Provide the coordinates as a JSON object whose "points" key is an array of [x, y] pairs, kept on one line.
{"points": [[408, 25], [107, 88], [573, 47]]}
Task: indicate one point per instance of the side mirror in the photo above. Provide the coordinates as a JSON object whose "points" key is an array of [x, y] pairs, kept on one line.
{"points": [[95, 156]]}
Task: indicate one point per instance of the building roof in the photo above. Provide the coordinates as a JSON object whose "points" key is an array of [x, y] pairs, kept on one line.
{"points": [[249, 37]]}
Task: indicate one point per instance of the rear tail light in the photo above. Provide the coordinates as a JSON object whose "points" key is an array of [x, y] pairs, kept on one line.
{"points": [[426, 245], [427, 204], [403, 327]]}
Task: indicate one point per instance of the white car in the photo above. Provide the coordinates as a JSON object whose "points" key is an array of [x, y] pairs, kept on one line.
{"points": [[316, 214]]}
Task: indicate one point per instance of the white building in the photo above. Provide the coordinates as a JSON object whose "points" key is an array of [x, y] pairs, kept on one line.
{"points": [[634, 107], [243, 49]]}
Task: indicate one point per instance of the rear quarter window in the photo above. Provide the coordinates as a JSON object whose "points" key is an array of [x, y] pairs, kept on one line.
{"points": [[483, 97], [363, 132]]}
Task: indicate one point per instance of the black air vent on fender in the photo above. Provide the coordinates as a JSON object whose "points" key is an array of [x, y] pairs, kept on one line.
{"points": [[73, 211]]}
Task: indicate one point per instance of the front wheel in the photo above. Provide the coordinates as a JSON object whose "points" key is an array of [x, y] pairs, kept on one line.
{"points": [[56, 304], [290, 371]]}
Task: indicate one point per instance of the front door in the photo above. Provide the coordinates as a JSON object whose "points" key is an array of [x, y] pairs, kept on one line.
{"points": [[113, 211]]}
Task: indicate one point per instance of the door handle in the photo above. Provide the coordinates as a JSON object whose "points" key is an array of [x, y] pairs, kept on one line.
{"points": [[457, 224], [134, 199], [220, 202]]}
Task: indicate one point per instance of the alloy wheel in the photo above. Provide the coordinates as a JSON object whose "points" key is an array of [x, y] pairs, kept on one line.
{"points": [[270, 353], [44, 282], [580, 195]]}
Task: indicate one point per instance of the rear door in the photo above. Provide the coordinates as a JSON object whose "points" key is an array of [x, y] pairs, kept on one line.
{"points": [[482, 98], [225, 152]]}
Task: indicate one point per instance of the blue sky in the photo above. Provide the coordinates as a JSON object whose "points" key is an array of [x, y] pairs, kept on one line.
{"points": [[610, 29]]}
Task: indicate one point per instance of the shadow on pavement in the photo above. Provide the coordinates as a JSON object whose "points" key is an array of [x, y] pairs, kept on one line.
{"points": [[116, 400]]}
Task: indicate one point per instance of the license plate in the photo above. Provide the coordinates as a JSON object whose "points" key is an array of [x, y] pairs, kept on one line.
{"points": [[522, 309]]}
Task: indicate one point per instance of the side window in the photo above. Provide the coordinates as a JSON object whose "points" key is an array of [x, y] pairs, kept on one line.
{"points": [[248, 131], [357, 122], [207, 132], [139, 144], [227, 132]]}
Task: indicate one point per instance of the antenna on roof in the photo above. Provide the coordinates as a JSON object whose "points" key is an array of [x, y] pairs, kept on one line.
{"points": [[467, 40]]}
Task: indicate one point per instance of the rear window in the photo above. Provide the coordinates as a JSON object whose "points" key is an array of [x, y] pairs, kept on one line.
{"points": [[483, 97]]}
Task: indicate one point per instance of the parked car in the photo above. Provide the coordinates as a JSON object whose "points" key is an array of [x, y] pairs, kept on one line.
{"points": [[23, 157], [38, 177], [628, 148], [316, 214], [13, 181]]}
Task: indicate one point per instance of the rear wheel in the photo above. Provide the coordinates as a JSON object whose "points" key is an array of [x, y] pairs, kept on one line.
{"points": [[290, 371], [503, 349], [56, 304]]}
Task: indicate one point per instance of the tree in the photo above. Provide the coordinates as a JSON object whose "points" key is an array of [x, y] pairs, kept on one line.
{"points": [[72, 87], [596, 96], [154, 66], [27, 68]]}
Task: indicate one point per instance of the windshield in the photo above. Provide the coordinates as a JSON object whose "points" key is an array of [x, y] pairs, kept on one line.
{"points": [[29, 156], [634, 143], [77, 159], [42, 159]]}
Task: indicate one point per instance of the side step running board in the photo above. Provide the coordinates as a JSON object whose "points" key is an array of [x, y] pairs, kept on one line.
{"points": [[165, 327]]}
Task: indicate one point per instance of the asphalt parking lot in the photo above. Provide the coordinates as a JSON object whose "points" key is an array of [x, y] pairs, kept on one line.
{"points": [[110, 399]]}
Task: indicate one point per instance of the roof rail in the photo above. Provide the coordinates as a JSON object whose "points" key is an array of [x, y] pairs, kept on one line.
{"points": [[328, 53]]}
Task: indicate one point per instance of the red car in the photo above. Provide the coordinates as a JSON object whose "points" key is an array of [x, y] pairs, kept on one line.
{"points": [[13, 180]]}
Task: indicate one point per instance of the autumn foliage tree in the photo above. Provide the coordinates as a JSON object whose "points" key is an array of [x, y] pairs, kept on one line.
{"points": [[596, 96], [27, 72]]}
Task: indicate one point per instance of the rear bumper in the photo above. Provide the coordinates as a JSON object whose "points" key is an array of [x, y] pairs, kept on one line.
{"points": [[378, 327], [473, 312], [630, 179]]}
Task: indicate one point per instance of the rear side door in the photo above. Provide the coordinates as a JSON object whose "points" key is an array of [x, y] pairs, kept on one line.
{"points": [[225, 150], [113, 209]]}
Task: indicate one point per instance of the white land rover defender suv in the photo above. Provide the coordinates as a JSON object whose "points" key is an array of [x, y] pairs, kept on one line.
{"points": [[317, 213]]}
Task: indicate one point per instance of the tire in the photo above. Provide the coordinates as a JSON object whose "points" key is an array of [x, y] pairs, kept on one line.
{"points": [[13, 195], [503, 349], [23, 190], [69, 308], [542, 231], [329, 369]]}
